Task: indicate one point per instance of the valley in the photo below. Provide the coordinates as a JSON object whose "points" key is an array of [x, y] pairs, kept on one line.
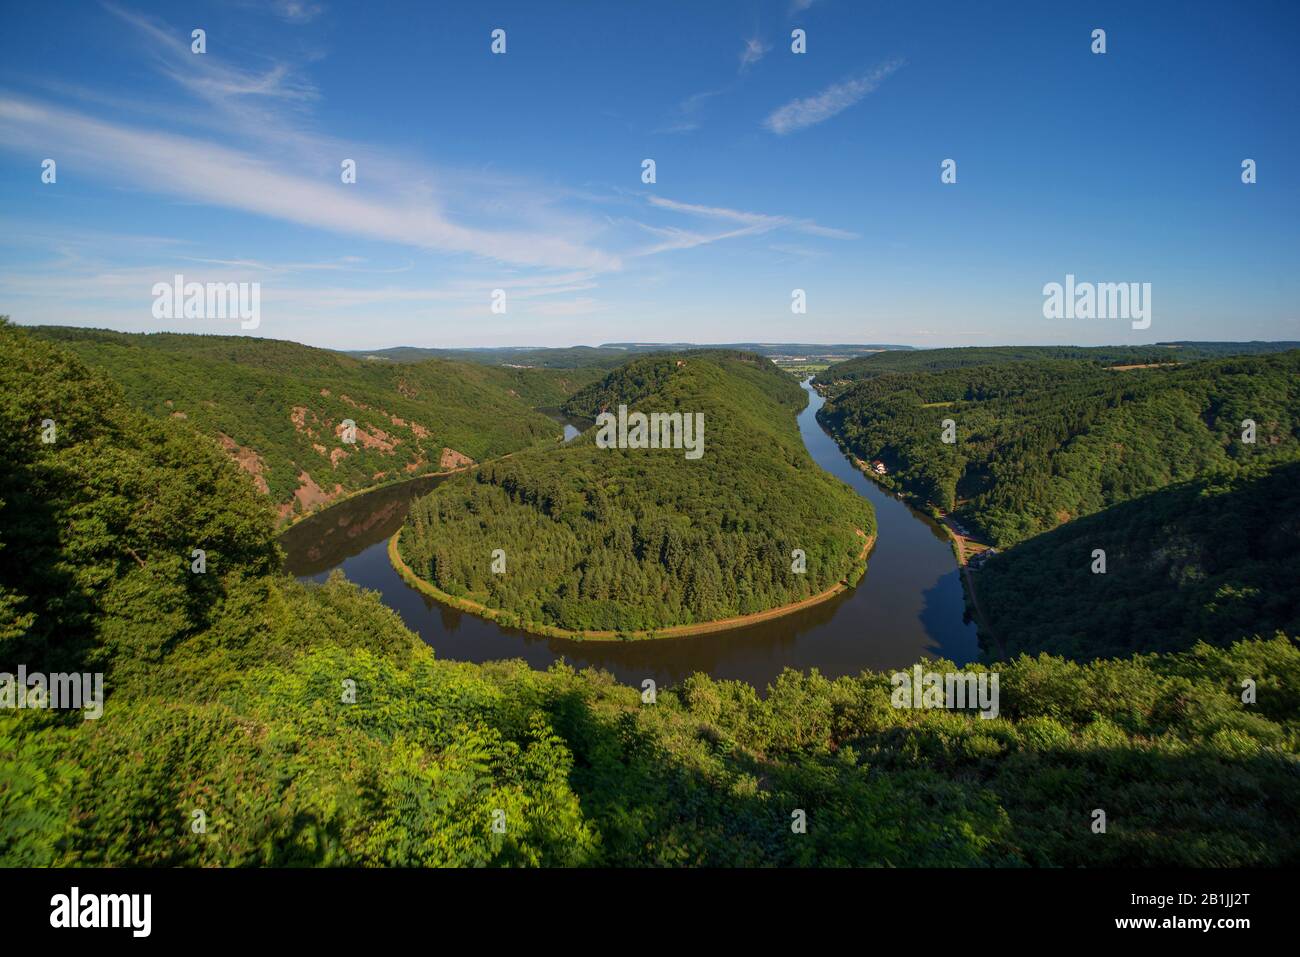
{"points": [[222, 688]]}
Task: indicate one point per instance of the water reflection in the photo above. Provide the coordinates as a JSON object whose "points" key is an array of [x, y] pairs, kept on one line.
{"points": [[909, 603]]}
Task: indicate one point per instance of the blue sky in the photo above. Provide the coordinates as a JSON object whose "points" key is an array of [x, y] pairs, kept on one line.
{"points": [[775, 171]]}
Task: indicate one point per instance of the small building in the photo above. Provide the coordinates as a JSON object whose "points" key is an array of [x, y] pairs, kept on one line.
{"points": [[878, 466]]}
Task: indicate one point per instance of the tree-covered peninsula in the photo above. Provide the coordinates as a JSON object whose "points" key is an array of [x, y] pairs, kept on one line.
{"points": [[623, 540]]}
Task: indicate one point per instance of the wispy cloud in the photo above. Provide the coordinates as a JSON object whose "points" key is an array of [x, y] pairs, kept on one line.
{"points": [[755, 49], [836, 98], [298, 11], [199, 170], [686, 117], [718, 212], [260, 122], [675, 238], [210, 77], [751, 222]]}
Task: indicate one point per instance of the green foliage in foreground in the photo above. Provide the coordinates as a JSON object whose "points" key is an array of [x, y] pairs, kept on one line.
{"points": [[227, 699], [633, 539], [1041, 443], [413, 773], [285, 402], [1214, 559]]}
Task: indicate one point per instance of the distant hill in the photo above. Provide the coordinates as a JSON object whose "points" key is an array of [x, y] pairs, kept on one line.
{"points": [[1038, 443], [278, 408], [762, 348], [936, 360], [575, 357], [637, 539], [605, 356]]}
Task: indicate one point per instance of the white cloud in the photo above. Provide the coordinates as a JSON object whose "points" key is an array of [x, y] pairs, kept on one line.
{"points": [[675, 238], [829, 232], [809, 111], [717, 212], [755, 49], [686, 117], [296, 11], [209, 76], [201, 171], [754, 222]]}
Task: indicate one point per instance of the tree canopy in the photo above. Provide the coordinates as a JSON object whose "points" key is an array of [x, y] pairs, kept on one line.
{"points": [[304, 725], [278, 408], [640, 539]]}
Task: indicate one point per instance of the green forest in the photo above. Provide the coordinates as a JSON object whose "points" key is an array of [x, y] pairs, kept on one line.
{"points": [[633, 540], [1040, 443], [937, 360], [278, 407], [1141, 518], [1214, 559], [227, 696]]}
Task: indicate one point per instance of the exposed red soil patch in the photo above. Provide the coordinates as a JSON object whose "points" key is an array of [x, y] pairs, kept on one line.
{"points": [[451, 459], [247, 459], [310, 495]]}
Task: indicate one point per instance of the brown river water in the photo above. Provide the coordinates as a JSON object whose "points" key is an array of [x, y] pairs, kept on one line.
{"points": [[908, 605]]}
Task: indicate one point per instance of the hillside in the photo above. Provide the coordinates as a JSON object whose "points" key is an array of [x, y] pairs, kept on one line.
{"points": [[1214, 559], [278, 408], [575, 357], [1039, 443], [937, 360], [226, 698], [641, 539]]}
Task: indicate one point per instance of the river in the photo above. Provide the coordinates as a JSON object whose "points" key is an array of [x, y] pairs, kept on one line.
{"points": [[908, 605]]}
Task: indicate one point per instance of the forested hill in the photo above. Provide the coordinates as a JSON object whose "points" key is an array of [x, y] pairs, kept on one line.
{"points": [[278, 408], [307, 726], [1041, 443], [641, 539], [641, 378], [936, 360], [1215, 559]]}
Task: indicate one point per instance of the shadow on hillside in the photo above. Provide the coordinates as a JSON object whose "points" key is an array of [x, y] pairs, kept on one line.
{"points": [[1211, 559], [58, 634]]}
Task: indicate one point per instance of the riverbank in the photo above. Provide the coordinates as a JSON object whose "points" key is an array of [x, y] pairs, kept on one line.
{"points": [[675, 631], [326, 506], [958, 541], [907, 607]]}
